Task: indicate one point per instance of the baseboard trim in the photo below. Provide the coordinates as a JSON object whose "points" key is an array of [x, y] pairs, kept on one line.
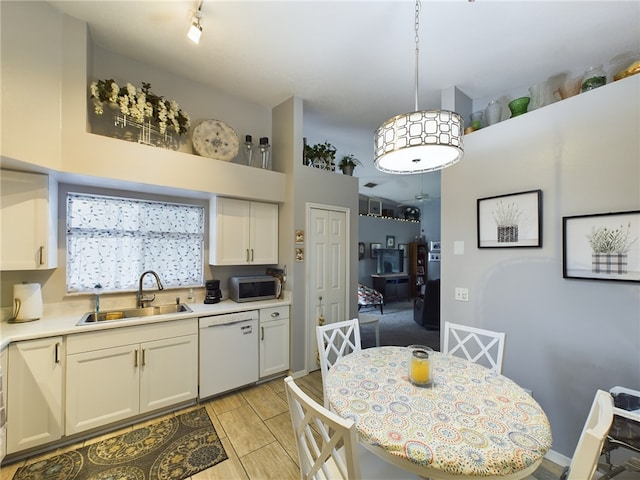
{"points": [[557, 458]]}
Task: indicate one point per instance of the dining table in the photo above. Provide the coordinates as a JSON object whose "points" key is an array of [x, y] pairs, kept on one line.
{"points": [[469, 423]]}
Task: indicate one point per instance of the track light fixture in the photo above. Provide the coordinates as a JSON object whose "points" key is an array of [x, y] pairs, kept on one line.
{"points": [[195, 30]]}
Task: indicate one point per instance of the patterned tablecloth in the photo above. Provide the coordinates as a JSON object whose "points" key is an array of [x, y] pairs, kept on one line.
{"points": [[469, 422]]}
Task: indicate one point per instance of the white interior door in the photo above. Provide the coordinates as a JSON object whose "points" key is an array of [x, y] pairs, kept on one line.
{"points": [[327, 271]]}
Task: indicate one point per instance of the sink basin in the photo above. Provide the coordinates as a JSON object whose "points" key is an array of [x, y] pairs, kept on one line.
{"points": [[111, 315]]}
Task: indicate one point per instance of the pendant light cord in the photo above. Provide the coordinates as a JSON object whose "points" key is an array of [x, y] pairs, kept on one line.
{"points": [[417, 40]]}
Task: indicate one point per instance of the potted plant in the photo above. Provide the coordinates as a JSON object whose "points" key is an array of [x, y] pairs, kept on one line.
{"points": [[348, 163], [320, 155]]}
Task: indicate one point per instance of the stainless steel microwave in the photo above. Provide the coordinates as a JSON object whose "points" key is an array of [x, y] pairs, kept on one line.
{"points": [[249, 289]]}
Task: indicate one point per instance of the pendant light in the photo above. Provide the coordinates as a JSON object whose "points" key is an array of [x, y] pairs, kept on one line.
{"points": [[419, 141]]}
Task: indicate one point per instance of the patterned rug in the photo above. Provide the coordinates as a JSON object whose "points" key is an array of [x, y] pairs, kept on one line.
{"points": [[171, 449]]}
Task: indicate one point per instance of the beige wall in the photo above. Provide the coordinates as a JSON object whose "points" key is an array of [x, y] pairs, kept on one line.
{"points": [[64, 61]]}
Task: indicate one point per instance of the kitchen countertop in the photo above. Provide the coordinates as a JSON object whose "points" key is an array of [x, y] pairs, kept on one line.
{"points": [[63, 321]]}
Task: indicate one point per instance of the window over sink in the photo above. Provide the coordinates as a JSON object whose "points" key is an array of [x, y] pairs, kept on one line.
{"points": [[111, 240]]}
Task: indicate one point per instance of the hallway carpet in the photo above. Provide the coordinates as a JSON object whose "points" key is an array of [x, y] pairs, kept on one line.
{"points": [[397, 327]]}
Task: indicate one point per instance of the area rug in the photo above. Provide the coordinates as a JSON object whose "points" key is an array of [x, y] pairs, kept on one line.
{"points": [[171, 449]]}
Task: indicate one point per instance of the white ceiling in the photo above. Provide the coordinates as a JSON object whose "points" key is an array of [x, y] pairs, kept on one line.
{"points": [[353, 61]]}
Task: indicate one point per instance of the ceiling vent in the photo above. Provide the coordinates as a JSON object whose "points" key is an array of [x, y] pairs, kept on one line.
{"points": [[370, 185]]}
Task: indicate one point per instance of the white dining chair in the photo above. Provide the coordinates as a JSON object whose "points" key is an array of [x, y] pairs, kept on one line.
{"points": [[336, 340], [484, 347], [328, 445], [585, 457]]}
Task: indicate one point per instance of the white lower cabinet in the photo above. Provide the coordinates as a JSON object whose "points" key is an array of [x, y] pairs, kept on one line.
{"points": [[102, 386], [35, 393], [274, 340], [169, 373], [116, 374]]}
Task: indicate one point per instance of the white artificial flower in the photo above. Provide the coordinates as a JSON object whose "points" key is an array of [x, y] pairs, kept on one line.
{"points": [[97, 105], [124, 105], [113, 95]]}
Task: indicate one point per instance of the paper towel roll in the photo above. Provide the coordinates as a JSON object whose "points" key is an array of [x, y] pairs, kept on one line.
{"points": [[27, 302]]}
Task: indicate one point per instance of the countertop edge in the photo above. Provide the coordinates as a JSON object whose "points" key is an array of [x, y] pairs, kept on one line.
{"points": [[55, 324]]}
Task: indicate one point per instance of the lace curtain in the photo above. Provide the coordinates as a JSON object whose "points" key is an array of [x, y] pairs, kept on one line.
{"points": [[111, 241]]}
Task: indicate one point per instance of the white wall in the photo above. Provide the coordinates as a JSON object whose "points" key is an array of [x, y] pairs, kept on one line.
{"points": [[565, 337]]}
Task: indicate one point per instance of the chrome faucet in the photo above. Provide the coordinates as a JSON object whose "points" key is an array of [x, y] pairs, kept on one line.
{"points": [[141, 300]]}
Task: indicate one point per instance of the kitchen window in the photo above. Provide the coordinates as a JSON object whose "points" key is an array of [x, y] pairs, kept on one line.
{"points": [[112, 240]]}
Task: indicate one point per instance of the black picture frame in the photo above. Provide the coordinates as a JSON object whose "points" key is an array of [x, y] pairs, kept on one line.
{"points": [[391, 242], [374, 247], [403, 247], [513, 220], [360, 250], [375, 207], [602, 246]]}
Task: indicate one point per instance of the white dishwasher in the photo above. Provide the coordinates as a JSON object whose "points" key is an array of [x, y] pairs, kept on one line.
{"points": [[228, 352]]}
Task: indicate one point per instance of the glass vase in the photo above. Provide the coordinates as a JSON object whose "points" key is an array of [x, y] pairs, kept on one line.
{"points": [[265, 153]]}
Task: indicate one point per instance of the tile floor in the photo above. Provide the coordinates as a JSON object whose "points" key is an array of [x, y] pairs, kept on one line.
{"points": [[255, 429]]}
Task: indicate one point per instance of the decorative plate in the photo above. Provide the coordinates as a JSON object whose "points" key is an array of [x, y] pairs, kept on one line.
{"points": [[215, 139]]}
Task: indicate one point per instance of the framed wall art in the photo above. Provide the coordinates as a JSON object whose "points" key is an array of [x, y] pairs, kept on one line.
{"points": [[360, 250], [374, 247], [508, 221], [603, 246], [391, 241], [299, 236], [434, 246], [375, 207]]}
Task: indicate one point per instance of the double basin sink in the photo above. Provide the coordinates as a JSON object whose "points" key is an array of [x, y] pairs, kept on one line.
{"points": [[126, 314]]}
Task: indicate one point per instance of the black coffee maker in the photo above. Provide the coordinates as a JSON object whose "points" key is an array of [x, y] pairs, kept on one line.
{"points": [[212, 291]]}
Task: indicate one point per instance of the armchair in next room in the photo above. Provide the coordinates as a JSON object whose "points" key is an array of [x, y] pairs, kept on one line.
{"points": [[368, 297], [426, 310]]}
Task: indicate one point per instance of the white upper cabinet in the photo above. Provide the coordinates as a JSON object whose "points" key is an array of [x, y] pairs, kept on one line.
{"points": [[29, 221], [243, 232]]}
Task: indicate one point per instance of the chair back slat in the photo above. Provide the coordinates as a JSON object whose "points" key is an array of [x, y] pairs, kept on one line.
{"points": [[335, 340], [585, 458], [480, 346], [327, 444]]}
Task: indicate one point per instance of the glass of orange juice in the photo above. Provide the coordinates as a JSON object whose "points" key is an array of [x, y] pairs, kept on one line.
{"points": [[420, 365]]}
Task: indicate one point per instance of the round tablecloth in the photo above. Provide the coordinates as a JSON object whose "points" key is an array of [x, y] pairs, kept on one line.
{"points": [[471, 421]]}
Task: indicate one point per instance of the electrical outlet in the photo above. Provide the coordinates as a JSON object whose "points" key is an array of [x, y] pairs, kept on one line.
{"points": [[462, 294]]}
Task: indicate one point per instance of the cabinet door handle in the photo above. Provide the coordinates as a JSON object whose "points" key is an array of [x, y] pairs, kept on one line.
{"points": [[144, 357], [252, 254], [275, 314], [261, 333], [41, 255], [248, 255], [135, 358], [57, 353]]}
